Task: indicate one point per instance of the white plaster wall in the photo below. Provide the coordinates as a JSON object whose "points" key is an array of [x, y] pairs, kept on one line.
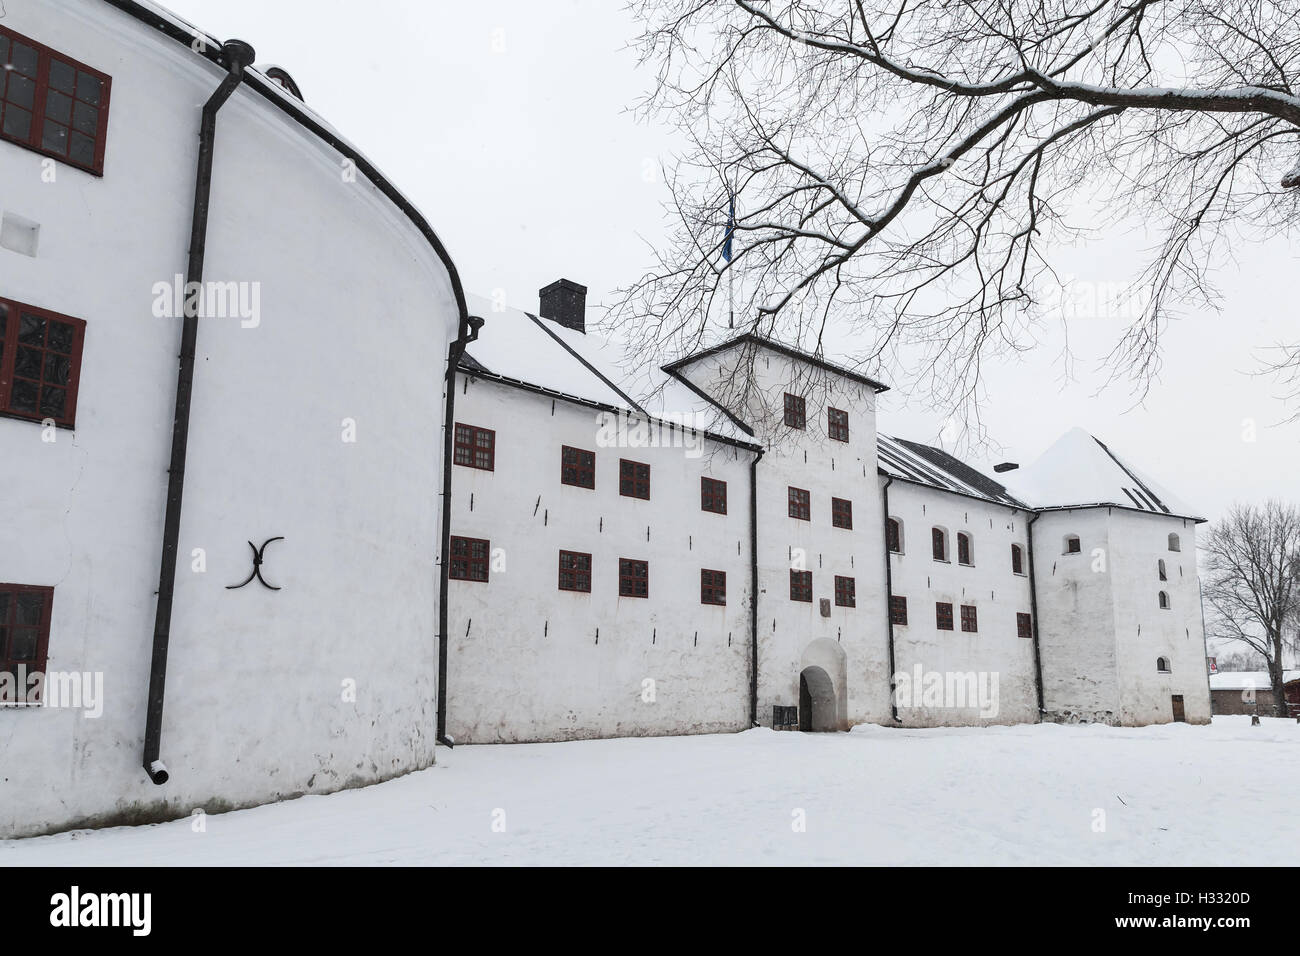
{"points": [[356, 317], [997, 593], [1144, 631], [809, 459], [1076, 617], [524, 661]]}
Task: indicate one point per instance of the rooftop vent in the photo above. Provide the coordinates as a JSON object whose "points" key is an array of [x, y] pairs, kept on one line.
{"points": [[1005, 466], [281, 78], [565, 302]]}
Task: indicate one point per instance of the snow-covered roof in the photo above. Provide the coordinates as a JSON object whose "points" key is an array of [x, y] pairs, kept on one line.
{"points": [[923, 464], [1081, 470], [1243, 680], [522, 347]]}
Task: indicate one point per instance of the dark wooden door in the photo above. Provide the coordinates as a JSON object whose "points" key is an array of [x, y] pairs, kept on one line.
{"points": [[1179, 714]]}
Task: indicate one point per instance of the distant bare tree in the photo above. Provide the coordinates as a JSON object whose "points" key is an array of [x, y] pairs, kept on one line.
{"points": [[1238, 661], [1252, 583], [905, 168]]}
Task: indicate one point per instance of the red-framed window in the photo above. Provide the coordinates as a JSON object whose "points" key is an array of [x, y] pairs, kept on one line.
{"points": [[943, 616], [470, 558], [40, 363], [969, 622], [577, 467], [713, 495], [846, 592], [713, 587], [24, 638], [475, 447], [963, 548], [837, 424], [575, 571], [801, 586], [939, 544], [796, 411], [1024, 625], [52, 103], [897, 609], [800, 504], [842, 513], [633, 479], [1017, 559], [633, 578], [894, 536]]}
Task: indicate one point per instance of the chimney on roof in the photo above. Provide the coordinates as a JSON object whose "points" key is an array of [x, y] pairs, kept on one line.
{"points": [[565, 302], [1005, 466]]}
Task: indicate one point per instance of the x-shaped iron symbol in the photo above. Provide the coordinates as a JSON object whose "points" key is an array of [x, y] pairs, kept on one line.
{"points": [[258, 554]]}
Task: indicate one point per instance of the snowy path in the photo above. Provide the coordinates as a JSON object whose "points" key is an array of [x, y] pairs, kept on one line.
{"points": [[1016, 795]]}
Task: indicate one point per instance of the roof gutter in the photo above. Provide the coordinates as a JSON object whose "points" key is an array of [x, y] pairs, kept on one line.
{"points": [[237, 55], [889, 600], [469, 332], [1033, 611]]}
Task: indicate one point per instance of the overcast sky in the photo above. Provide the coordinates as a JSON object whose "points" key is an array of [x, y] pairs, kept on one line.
{"points": [[507, 123]]}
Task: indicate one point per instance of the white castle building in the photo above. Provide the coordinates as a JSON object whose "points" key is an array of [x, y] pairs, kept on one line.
{"points": [[256, 547]]}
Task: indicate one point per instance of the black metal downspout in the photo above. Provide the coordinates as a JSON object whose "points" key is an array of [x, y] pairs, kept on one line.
{"points": [[753, 587], [889, 599], [468, 333], [1033, 611], [237, 55]]}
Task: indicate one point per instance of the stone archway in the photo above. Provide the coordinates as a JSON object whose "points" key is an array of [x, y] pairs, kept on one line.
{"points": [[817, 709], [823, 686]]}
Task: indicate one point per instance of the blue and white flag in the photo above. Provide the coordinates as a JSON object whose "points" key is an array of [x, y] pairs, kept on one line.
{"points": [[731, 229]]}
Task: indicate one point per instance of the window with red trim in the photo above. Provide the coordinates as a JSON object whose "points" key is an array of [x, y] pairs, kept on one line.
{"points": [[943, 616], [842, 513], [837, 424], [713, 495], [713, 587], [469, 558], [475, 447], [633, 479], [800, 504], [40, 363], [1024, 625], [577, 467], [24, 639], [796, 415], [633, 578], [575, 571], [939, 544], [846, 592], [52, 104], [801, 586], [969, 622], [897, 609]]}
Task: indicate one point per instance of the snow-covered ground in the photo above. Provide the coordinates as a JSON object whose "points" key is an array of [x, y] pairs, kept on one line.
{"points": [[1174, 794]]}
